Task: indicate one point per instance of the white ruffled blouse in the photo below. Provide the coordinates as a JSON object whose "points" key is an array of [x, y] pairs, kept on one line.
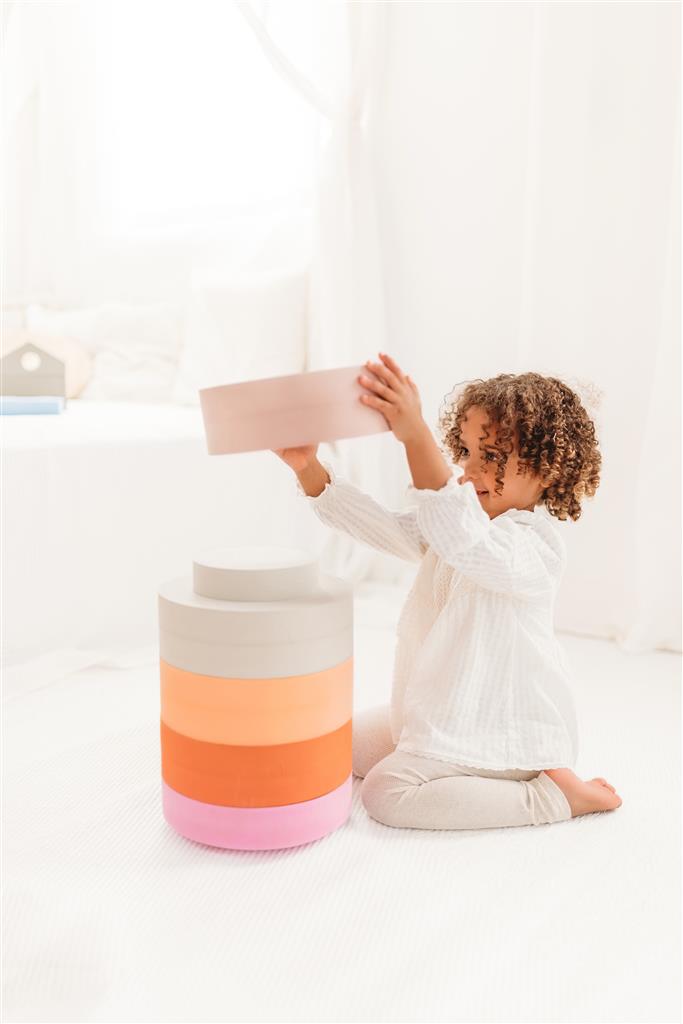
{"points": [[479, 676]]}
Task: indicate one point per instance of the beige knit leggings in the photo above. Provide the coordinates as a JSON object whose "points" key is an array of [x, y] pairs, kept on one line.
{"points": [[410, 791]]}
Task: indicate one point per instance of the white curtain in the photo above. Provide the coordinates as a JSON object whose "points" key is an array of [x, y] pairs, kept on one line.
{"points": [[52, 243], [605, 85], [46, 203], [347, 321], [528, 171], [498, 190], [617, 283], [63, 71]]}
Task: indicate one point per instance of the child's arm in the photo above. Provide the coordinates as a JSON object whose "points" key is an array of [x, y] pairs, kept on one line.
{"points": [[428, 467], [512, 557], [339, 504]]}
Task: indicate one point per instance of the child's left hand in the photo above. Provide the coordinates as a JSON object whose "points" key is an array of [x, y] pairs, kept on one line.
{"points": [[396, 396]]}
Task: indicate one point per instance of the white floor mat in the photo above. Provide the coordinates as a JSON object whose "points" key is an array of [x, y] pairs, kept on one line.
{"points": [[111, 916]]}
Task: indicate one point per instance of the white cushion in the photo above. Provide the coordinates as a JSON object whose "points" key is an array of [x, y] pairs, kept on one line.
{"points": [[242, 326], [135, 348]]}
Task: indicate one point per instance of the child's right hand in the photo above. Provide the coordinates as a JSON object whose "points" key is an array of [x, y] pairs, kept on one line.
{"points": [[297, 458]]}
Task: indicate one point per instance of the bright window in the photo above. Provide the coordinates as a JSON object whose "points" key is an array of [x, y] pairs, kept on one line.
{"points": [[194, 125]]}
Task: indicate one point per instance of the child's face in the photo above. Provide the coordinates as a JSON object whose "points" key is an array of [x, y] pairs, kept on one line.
{"points": [[518, 491]]}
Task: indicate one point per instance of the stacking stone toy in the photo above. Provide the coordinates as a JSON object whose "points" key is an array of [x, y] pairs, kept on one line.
{"points": [[256, 668]]}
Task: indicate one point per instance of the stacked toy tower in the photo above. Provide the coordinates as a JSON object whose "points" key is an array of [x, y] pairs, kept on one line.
{"points": [[256, 656]]}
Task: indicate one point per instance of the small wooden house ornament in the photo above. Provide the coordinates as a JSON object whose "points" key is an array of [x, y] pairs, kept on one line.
{"points": [[30, 371]]}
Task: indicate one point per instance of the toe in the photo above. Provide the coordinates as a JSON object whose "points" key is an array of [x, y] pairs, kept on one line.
{"points": [[605, 796]]}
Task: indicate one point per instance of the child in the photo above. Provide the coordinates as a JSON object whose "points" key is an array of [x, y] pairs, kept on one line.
{"points": [[481, 730]]}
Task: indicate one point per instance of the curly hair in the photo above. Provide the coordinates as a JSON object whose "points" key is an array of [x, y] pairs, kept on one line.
{"points": [[554, 434]]}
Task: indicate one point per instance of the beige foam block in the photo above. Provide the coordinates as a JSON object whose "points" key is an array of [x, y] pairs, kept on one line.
{"points": [[285, 412], [243, 637]]}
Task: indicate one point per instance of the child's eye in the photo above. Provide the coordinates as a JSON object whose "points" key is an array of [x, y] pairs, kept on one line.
{"points": [[463, 449]]}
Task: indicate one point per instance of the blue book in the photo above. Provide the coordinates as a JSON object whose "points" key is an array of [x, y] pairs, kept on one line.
{"points": [[30, 405]]}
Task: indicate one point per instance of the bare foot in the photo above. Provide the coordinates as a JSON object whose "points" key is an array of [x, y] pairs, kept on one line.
{"points": [[585, 796]]}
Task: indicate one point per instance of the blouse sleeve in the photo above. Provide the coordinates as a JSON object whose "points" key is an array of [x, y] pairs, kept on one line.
{"points": [[347, 508], [510, 555]]}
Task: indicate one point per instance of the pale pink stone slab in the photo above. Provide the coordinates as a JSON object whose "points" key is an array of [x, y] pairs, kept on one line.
{"points": [[285, 412], [257, 828]]}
